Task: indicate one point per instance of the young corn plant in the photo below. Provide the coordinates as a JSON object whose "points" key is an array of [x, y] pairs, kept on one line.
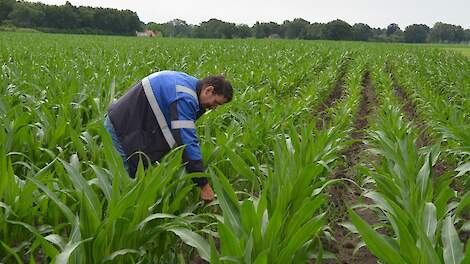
{"points": [[282, 224], [441, 92], [420, 214], [108, 217]]}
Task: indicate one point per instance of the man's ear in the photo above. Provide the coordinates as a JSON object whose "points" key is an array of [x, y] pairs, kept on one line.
{"points": [[209, 89]]}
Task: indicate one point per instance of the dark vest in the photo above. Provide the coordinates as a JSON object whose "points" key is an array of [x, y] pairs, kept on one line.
{"points": [[137, 128]]}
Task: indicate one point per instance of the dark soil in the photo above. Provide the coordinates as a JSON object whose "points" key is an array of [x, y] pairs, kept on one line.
{"points": [[343, 196], [361, 122], [336, 93], [408, 106]]}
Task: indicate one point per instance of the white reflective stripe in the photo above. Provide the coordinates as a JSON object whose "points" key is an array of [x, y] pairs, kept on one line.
{"points": [[157, 112], [153, 75], [184, 89], [182, 124]]}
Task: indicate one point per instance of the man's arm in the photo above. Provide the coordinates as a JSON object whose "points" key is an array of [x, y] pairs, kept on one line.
{"points": [[183, 114]]}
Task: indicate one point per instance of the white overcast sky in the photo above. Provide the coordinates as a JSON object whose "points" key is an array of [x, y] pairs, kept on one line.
{"points": [[375, 13]]}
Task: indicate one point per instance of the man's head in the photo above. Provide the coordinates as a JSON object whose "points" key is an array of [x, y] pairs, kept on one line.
{"points": [[213, 91]]}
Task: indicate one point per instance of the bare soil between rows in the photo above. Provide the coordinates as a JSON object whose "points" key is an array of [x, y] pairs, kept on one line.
{"points": [[336, 93], [343, 196]]}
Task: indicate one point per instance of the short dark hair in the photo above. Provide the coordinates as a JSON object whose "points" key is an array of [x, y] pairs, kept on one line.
{"points": [[220, 84]]}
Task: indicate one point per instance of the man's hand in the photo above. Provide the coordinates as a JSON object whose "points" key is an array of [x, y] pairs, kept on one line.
{"points": [[207, 195]]}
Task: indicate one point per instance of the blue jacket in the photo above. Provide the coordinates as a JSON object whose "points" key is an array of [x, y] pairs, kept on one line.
{"points": [[158, 114], [171, 87]]}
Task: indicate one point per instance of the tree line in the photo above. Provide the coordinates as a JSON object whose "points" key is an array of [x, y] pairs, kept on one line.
{"points": [[302, 29], [68, 18], [80, 19]]}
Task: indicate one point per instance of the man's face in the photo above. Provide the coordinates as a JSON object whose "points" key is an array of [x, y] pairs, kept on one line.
{"points": [[209, 100]]}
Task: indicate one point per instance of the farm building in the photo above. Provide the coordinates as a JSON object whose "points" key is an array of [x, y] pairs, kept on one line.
{"points": [[146, 33]]}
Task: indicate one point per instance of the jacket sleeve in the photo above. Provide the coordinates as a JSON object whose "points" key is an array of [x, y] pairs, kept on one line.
{"points": [[183, 115]]}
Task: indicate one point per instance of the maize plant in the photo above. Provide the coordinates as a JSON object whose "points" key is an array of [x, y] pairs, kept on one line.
{"points": [[442, 93], [416, 210], [283, 223]]}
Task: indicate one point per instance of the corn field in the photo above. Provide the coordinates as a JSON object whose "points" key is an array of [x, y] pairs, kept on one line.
{"points": [[331, 152]]}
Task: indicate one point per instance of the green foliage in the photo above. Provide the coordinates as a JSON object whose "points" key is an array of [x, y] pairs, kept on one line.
{"points": [[416, 206], [65, 196], [6, 6], [337, 30], [59, 167], [284, 222], [442, 32], [416, 33], [70, 19]]}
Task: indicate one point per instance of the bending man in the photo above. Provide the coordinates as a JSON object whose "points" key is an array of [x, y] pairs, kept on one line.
{"points": [[158, 114]]}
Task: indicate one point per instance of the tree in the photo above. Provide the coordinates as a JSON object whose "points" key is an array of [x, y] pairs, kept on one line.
{"points": [[227, 30], [116, 21], [182, 29], [416, 33], [361, 32], [70, 16], [442, 32], [315, 31], [155, 27], [215, 28], [25, 15], [392, 29], [6, 6], [132, 22], [86, 16], [259, 30], [175, 28], [243, 31], [65, 16], [295, 29], [467, 35], [337, 30], [264, 30]]}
